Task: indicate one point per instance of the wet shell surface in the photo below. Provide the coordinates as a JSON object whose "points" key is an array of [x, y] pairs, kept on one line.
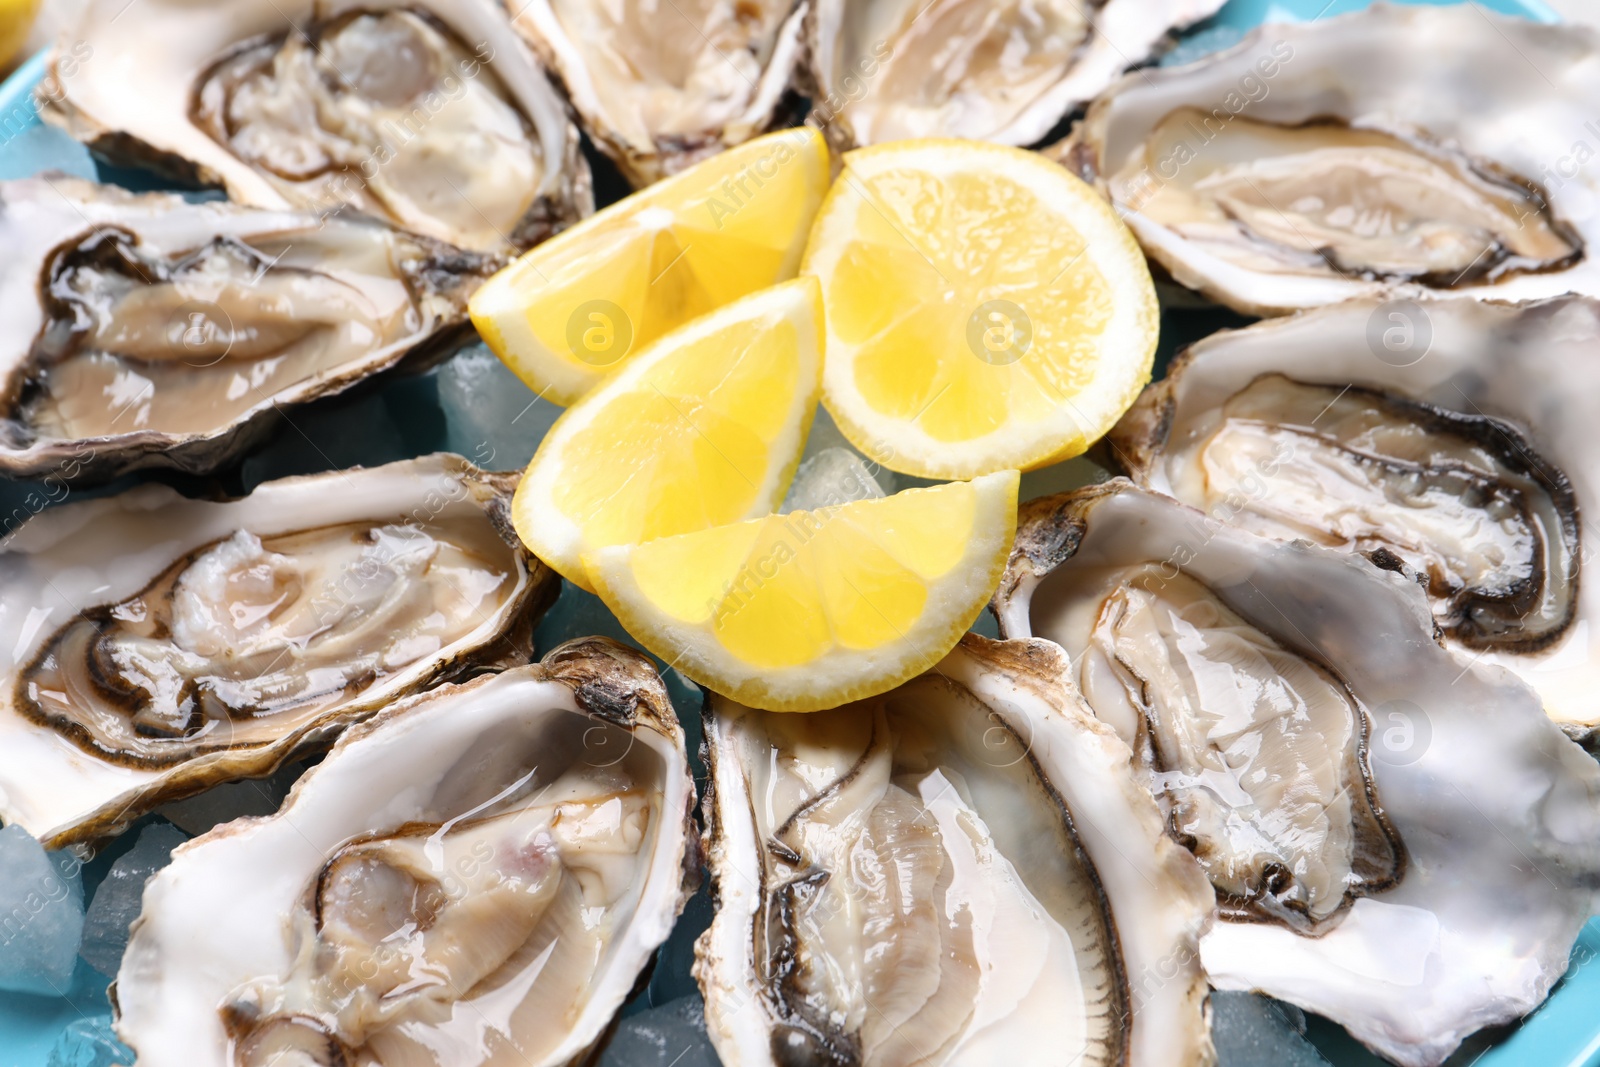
{"points": [[964, 870], [659, 87], [1007, 71], [1399, 838], [477, 874], [156, 646], [1452, 438], [432, 115], [1319, 162], [144, 330]]}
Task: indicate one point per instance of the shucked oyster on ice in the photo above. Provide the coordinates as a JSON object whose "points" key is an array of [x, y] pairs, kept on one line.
{"points": [[1337, 159], [142, 330], [1454, 437], [153, 646], [430, 114], [476, 875], [1399, 838], [1005, 71], [963, 871], [662, 85]]}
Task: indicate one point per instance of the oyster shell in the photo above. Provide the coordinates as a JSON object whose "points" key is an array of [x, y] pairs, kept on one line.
{"points": [[155, 645], [141, 330], [432, 115], [1400, 839], [477, 874], [961, 871], [1006, 72], [1320, 162], [1462, 450], [660, 87]]}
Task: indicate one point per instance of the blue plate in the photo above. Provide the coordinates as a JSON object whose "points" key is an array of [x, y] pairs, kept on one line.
{"points": [[1565, 1032]]}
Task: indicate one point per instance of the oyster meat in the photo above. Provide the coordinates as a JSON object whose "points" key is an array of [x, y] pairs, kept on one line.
{"points": [[144, 330], [432, 115], [1400, 839], [1007, 71], [478, 874], [155, 646], [963, 871], [660, 86], [1462, 450], [1316, 163]]}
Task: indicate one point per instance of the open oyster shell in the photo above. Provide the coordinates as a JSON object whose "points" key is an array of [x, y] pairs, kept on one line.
{"points": [[430, 114], [1400, 839], [1453, 437], [143, 330], [1006, 71], [1318, 162], [155, 646], [961, 871], [660, 87], [477, 874]]}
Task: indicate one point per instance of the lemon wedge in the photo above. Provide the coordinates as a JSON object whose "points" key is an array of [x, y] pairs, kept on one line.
{"points": [[576, 307], [702, 428], [986, 309], [16, 19], [812, 609]]}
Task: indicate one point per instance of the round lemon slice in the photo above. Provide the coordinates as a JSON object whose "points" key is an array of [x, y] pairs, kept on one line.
{"points": [[809, 610], [704, 427], [576, 307], [986, 309]]}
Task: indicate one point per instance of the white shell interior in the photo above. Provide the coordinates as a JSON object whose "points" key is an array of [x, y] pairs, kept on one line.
{"points": [[1498, 811], [217, 917], [102, 551]]}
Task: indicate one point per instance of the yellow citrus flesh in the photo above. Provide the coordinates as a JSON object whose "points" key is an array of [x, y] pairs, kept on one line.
{"points": [[578, 306], [986, 309], [810, 610], [702, 428], [16, 19]]}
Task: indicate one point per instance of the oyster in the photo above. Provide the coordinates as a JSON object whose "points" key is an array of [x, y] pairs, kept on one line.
{"points": [[478, 874], [1008, 72], [961, 871], [1315, 163], [155, 646], [1462, 450], [432, 115], [144, 330], [1400, 839], [661, 86]]}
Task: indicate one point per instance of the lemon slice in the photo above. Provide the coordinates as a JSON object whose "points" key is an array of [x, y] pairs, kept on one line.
{"points": [[574, 308], [986, 309], [704, 427], [812, 609]]}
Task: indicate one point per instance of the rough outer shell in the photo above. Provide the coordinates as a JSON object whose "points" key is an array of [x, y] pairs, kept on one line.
{"points": [[1160, 902], [40, 215], [1509, 92], [1499, 813], [83, 555], [646, 155], [165, 47], [1519, 365], [1123, 34], [238, 881]]}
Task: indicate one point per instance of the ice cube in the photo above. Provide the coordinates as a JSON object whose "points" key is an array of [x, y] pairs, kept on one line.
{"points": [[672, 1035], [494, 419], [1255, 1031], [831, 477], [41, 915], [116, 903], [89, 1042]]}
